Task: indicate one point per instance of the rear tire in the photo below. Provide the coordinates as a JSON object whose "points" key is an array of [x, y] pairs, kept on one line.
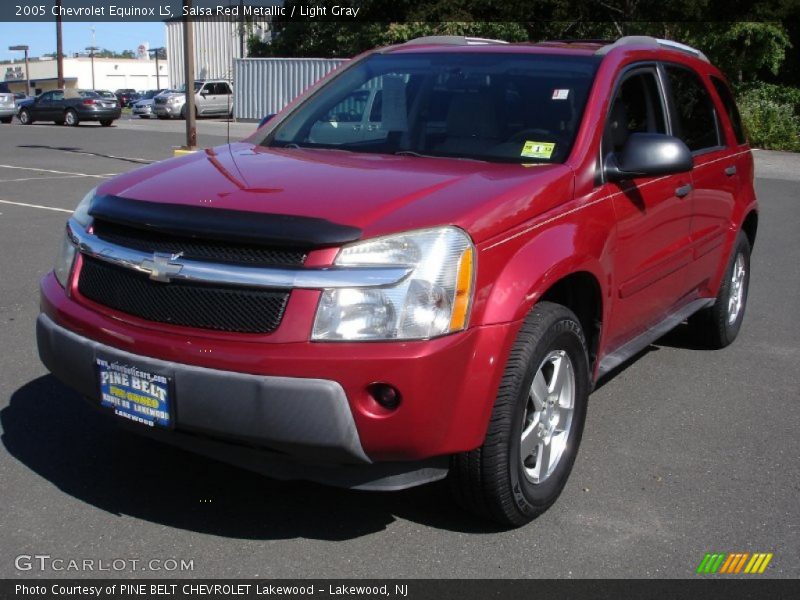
{"points": [[536, 425], [25, 117], [6, 120], [71, 118], [718, 325], [106, 122]]}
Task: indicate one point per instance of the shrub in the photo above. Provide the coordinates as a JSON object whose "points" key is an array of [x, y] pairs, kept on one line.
{"points": [[770, 115]]}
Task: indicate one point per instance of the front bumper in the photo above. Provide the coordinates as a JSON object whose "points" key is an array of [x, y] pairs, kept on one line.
{"points": [[447, 384], [142, 110], [307, 418], [305, 424], [167, 110]]}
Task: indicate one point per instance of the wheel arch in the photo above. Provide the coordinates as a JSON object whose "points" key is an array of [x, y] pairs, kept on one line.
{"points": [[750, 227], [564, 264]]}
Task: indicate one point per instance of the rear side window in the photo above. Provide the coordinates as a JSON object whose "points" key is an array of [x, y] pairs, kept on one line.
{"points": [[730, 108], [695, 119]]}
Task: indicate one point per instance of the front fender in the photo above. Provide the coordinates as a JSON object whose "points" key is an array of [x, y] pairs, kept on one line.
{"points": [[524, 265]]}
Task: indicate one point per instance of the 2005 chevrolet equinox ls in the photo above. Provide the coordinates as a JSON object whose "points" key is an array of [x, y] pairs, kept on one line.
{"points": [[418, 269]]}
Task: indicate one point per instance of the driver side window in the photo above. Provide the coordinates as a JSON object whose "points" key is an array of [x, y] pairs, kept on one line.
{"points": [[637, 108]]}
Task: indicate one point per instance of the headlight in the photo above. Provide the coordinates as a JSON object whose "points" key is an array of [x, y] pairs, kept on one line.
{"points": [[64, 260], [433, 300], [66, 253]]}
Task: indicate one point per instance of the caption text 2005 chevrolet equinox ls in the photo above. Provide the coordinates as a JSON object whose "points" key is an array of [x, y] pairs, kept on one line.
{"points": [[418, 269]]}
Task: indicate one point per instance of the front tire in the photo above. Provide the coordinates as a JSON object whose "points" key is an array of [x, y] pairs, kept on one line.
{"points": [[25, 117], [718, 325], [6, 120], [536, 425], [71, 118]]}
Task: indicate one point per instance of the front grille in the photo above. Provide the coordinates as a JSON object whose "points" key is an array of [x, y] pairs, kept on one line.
{"points": [[216, 307], [198, 249]]}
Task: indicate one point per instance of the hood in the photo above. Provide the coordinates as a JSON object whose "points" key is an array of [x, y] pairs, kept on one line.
{"points": [[379, 194]]}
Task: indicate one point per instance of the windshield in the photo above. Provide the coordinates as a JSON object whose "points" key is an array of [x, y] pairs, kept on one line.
{"points": [[495, 107]]}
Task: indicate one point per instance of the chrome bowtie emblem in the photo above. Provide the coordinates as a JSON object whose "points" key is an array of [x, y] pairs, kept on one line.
{"points": [[160, 267]]}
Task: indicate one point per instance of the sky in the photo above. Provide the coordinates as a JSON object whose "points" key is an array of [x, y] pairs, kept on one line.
{"points": [[41, 37]]}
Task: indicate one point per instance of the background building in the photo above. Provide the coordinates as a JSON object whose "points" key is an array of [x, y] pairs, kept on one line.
{"points": [[217, 43], [109, 74]]}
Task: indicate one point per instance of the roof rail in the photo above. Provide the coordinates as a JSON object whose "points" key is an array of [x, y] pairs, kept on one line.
{"points": [[651, 42], [577, 41], [452, 40]]}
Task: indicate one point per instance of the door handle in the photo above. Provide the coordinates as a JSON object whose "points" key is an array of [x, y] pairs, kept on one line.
{"points": [[683, 191], [730, 171]]}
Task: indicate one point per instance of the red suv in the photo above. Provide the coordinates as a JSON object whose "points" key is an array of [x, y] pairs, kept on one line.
{"points": [[418, 269]]}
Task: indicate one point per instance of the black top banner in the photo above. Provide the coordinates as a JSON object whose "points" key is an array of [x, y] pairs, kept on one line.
{"points": [[394, 10]]}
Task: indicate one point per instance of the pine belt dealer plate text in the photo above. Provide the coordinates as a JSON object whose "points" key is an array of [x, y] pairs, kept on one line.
{"points": [[134, 393]]}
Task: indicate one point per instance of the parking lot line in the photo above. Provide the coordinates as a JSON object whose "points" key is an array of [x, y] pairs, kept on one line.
{"points": [[65, 210], [58, 172], [41, 178]]}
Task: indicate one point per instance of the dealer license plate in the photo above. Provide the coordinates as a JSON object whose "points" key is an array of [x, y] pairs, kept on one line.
{"points": [[135, 393]]}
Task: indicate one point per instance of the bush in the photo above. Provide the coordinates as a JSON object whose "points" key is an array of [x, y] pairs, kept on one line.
{"points": [[781, 94], [771, 116]]}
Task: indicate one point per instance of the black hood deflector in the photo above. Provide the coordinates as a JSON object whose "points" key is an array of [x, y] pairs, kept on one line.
{"points": [[224, 224]]}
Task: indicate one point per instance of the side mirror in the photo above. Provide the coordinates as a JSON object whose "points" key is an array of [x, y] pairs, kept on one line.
{"points": [[647, 155], [204, 92]]}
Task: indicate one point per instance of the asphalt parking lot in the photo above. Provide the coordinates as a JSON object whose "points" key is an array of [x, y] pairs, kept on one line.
{"points": [[686, 451]]}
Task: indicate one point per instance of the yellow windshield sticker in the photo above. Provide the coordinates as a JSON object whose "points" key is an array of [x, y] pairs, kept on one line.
{"points": [[537, 149]]}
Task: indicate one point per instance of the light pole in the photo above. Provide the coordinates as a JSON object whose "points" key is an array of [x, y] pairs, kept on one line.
{"points": [[157, 52], [92, 50], [27, 74]]}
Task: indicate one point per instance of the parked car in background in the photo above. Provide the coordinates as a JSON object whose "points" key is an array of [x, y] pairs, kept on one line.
{"points": [[435, 298], [143, 107], [8, 107], [70, 107], [125, 96], [106, 94], [211, 97], [19, 97]]}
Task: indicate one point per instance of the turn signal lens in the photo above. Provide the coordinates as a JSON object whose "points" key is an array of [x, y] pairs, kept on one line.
{"points": [[458, 320]]}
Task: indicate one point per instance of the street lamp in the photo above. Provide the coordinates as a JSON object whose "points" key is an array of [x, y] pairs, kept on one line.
{"points": [[92, 50], [27, 75], [158, 52]]}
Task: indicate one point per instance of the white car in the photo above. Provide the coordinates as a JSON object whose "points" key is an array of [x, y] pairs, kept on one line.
{"points": [[143, 108]]}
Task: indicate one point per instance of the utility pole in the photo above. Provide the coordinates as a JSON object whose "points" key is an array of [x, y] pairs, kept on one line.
{"points": [[241, 28], [188, 73], [27, 72], [59, 47], [92, 50]]}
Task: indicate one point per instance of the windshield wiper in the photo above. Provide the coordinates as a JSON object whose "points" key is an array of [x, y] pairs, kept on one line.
{"points": [[412, 153]]}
